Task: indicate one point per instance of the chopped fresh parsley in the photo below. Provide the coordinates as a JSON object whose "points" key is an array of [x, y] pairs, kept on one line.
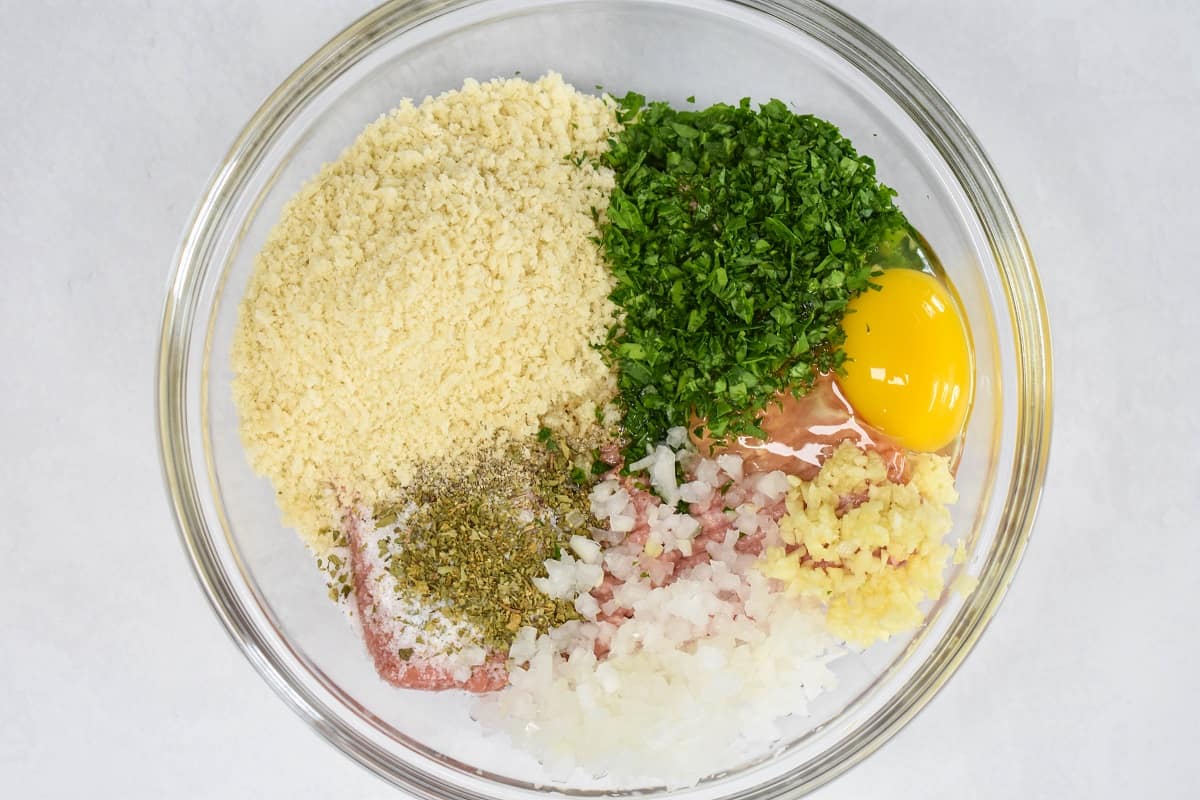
{"points": [[736, 236], [546, 437]]}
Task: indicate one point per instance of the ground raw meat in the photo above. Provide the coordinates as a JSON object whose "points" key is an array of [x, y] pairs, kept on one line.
{"points": [[386, 632], [802, 433], [735, 495]]}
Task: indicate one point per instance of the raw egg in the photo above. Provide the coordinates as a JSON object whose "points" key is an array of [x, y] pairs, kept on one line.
{"points": [[909, 368]]}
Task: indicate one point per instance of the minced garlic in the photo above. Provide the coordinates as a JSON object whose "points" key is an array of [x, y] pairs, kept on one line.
{"points": [[875, 562], [435, 289]]}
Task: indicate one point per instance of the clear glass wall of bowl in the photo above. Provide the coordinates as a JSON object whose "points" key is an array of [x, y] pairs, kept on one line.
{"points": [[260, 579]]}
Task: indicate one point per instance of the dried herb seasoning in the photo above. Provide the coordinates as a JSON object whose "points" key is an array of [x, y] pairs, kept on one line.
{"points": [[472, 543], [338, 579]]}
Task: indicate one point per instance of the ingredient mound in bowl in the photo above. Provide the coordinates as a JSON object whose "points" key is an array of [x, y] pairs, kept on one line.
{"points": [[581, 405]]}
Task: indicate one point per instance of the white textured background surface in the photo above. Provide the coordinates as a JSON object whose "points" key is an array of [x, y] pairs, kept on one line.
{"points": [[116, 680]]}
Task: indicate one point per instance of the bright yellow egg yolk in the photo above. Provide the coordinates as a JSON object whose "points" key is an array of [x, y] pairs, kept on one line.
{"points": [[909, 369]]}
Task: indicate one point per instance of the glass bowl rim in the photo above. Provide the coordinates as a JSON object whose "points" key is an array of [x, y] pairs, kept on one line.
{"points": [[849, 39]]}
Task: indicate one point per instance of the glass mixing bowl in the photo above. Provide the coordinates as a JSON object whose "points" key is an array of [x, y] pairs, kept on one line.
{"points": [[259, 578]]}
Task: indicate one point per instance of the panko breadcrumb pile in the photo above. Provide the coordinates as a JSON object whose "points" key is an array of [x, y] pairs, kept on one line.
{"points": [[434, 287]]}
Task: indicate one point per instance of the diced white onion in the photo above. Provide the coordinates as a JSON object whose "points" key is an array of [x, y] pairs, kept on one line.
{"points": [[587, 606], [676, 437], [695, 492], [587, 549], [731, 464], [662, 475], [774, 485], [622, 524]]}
